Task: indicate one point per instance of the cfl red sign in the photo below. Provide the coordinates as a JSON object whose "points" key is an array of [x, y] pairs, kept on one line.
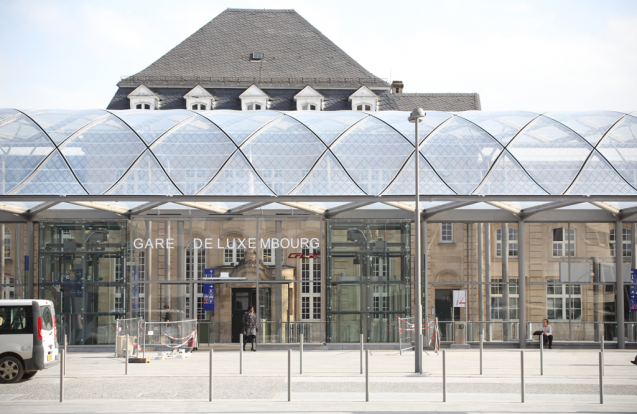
{"points": [[303, 256]]}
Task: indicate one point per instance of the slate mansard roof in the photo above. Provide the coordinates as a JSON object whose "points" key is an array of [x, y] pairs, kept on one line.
{"points": [[292, 50], [295, 55]]}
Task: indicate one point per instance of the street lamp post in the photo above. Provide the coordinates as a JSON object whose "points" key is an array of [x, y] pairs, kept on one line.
{"points": [[416, 117]]}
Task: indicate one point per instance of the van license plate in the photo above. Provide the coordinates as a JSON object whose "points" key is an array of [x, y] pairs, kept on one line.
{"points": [[50, 357]]}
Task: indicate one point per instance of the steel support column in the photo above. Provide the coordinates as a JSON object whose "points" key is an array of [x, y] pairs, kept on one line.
{"points": [[619, 279], [521, 285], [480, 280], [487, 277], [505, 281]]}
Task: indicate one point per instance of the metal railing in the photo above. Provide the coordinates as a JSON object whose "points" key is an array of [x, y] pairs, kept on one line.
{"points": [[290, 332], [136, 80]]}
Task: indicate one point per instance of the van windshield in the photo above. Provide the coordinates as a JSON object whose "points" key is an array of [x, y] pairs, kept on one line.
{"points": [[16, 320]]}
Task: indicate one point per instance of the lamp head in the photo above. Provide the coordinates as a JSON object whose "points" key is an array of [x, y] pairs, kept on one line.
{"points": [[417, 115]]}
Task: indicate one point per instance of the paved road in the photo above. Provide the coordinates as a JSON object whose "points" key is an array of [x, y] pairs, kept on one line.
{"points": [[331, 382]]}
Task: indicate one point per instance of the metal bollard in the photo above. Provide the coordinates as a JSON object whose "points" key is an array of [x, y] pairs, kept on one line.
{"points": [[481, 348], [144, 336], [289, 375], [210, 375], [422, 338], [541, 355], [65, 354], [601, 377], [62, 376], [522, 386], [444, 376], [601, 344], [361, 354], [240, 353], [126, 354], [301, 355], [367, 375]]}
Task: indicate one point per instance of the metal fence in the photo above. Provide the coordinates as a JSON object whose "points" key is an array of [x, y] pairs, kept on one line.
{"points": [[166, 336], [133, 328]]}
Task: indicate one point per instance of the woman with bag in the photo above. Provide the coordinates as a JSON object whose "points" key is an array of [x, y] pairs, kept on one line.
{"points": [[250, 328]]}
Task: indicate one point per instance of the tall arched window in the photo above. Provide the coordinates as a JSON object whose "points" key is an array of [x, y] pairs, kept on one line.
{"points": [[563, 242], [311, 284], [513, 242], [195, 264], [7, 243]]}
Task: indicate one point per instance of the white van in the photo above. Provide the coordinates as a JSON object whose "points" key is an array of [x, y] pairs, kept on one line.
{"points": [[28, 339]]}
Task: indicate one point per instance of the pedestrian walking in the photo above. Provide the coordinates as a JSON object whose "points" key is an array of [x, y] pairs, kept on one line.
{"points": [[250, 328]]}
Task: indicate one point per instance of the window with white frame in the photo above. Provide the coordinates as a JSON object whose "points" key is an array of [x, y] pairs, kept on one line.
{"points": [[308, 107], [267, 256], [198, 107], [513, 242], [379, 266], [309, 99], [363, 107], [497, 301], [563, 242], [563, 302], [380, 302], [254, 99], [142, 106], [254, 107], [364, 99], [311, 285], [626, 242], [199, 99], [446, 232], [195, 264], [7, 243], [233, 254], [119, 299], [143, 98], [118, 271]]}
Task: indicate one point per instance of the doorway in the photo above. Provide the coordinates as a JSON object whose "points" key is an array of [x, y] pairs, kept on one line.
{"points": [[444, 307], [242, 299]]}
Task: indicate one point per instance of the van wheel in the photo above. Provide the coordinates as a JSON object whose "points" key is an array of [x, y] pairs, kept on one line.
{"points": [[29, 374], [11, 370]]}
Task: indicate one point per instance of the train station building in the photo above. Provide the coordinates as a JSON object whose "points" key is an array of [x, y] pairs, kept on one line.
{"points": [[257, 164]]}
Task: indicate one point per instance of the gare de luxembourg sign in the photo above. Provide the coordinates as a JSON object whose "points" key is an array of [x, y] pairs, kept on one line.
{"points": [[247, 243]]}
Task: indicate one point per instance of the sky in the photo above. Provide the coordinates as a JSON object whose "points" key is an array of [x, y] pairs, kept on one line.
{"points": [[518, 55]]}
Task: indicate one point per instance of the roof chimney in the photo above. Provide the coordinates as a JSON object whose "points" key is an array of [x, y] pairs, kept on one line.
{"points": [[397, 86]]}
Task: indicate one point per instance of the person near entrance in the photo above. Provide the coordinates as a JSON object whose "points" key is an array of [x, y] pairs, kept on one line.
{"points": [[250, 328], [546, 333], [167, 315]]}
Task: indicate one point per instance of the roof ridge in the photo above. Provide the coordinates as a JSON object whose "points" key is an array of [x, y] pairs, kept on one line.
{"points": [[261, 10]]}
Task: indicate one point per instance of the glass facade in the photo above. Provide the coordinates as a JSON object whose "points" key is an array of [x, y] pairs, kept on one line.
{"points": [[331, 280]]}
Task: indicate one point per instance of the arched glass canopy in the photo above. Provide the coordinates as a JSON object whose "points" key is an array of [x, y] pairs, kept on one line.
{"points": [[180, 152]]}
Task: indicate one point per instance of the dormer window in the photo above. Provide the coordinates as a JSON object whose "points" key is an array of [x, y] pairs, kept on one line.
{"points": [[254, 99], [143, 98], [364, 100], [199, 99], [309, 100]]}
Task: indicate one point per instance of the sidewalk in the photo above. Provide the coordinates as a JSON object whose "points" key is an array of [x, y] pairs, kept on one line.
{"points": [[331, 382]]}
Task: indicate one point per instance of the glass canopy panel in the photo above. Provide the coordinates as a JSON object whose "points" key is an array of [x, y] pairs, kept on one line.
{"points": [[239, 125], [237, 178], [590, 125], [428, 180], [59, 124], [53, 177], [101, 154], [619, 147], [502, 125], [400, 121], [283, 153], [150, 125], [508, 178], [461, 154], [6, 113], [551, 153], [326, 124], [22, 147], [193, 152], [372, 153], [328, 178], [599, 178], [146, 177]]}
